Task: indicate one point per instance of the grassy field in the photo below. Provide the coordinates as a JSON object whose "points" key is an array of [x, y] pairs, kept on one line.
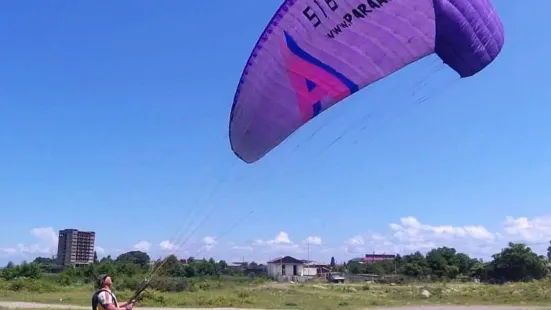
{"points": [[304, 296]]}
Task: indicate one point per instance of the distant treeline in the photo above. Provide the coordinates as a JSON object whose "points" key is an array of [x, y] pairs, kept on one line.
{"points": [[517, 262], [129, 269]]}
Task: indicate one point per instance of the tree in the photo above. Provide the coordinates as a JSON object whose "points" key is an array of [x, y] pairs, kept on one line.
{"points": [[31, 270], [549, 252], [127, 268], [437, 261], [478, 269], [172, 266], [355, 268], [189, 271], [223, 267], [376, 268], [44, 260], [9, 272], [106, 266], [90, 271], [136, 257], [464, 262], [415, 265], [518, 263], [205, 268], [96, 257], [446, 262]]}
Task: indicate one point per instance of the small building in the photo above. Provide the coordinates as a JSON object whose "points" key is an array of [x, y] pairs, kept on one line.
{"points": [[255, 270], [371, 258], [309, 268], [235, 266], [312, 268], [285, 266]]}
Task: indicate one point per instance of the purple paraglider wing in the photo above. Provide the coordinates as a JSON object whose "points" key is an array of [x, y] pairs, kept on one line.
{"points": [[315, 53]]}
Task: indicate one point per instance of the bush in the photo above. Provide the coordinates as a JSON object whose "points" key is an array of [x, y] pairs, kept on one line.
{"points": [[29, 285], [166, 284], [128, 283], [155, 298]]}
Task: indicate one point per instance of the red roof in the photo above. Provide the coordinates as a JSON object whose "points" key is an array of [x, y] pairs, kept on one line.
{"points": [[377, 257]]}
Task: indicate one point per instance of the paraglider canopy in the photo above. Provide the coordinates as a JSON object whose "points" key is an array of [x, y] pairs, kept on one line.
{"points": [[315, 53]]}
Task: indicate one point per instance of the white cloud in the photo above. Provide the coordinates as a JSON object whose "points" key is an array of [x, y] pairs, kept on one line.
{"points": [[355, 244], [143, 246], [281, 238], [313, 240], [282, 244], [46, 244], [29, 249], [208, 242], [9, 251], [412, 231], [536, 230], [241, 248], [404, 236], [359, 244], [47, 234], [407, 235], [99, 250], [166, 245], [411, 235]]}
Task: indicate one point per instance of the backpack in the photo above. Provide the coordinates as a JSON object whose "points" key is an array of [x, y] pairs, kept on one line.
{"points": [[95, 299]]}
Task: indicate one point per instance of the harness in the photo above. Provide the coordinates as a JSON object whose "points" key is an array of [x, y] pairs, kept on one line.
{"points": [[95, 299]]}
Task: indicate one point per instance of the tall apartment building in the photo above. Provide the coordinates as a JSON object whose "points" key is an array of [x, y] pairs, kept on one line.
{"points": [[75, 247]]}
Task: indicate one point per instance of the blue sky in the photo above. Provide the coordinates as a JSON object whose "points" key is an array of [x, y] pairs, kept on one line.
{"points": [[114, 118]]}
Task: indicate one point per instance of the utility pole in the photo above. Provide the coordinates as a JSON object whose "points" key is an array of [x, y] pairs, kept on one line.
{"points": [[308, 245]]}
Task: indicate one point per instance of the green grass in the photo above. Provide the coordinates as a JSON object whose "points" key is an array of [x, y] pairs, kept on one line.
{"points": [[301, 296]]}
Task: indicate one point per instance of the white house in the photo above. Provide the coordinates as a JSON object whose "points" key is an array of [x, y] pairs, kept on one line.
{"points": [[314, 269], [285, 266], [309, 269]]}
